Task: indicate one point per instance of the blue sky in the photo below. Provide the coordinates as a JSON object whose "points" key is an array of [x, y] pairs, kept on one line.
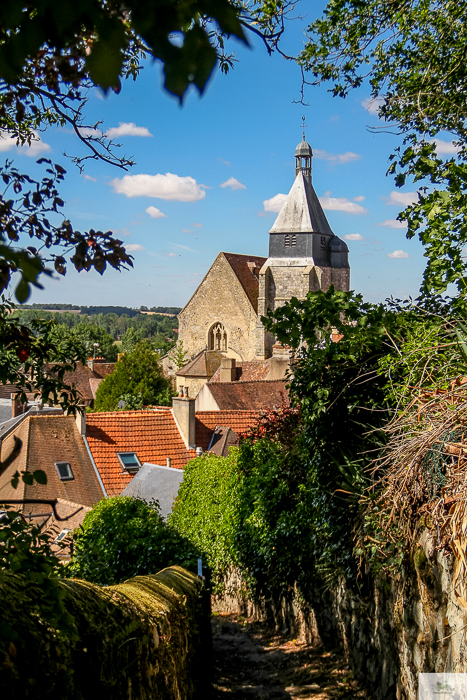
{"points": [[206, 173]]}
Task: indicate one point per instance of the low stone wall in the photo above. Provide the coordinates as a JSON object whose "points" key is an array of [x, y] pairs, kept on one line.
{"points": [[413, 623], [146, 638]]}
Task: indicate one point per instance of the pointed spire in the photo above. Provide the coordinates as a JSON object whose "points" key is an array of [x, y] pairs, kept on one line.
{"points": [[302, 211]]}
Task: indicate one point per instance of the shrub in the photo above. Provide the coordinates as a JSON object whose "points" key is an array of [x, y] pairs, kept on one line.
{"points": [[206, 507], [123, 537]]}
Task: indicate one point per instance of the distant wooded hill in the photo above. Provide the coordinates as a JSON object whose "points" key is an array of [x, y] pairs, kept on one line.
{"points": [[92, 310]]}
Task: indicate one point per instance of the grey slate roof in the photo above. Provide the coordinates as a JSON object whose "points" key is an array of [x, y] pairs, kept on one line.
{"points": [[302, 211], [156, 482]]}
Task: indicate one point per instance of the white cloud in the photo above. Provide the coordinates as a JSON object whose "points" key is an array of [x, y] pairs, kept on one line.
{"points": [[133, 246], [171, 255], [155, 213], [90, 131], [36, 148], [360, 198], [6, 142], [354, 237], [91, 179], [445, 147], [234, 184], [392, 223], [186, 230], [405, 198], [127, 129], [398, 255], [341, 204], [226, 162], [275, 204], [336, 157], [372, 104], [169, 187], [198, 225]]}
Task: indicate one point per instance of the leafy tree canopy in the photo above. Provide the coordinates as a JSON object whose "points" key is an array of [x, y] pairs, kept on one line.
{"points": [[137, 372], [413, 54], [93, 340], [123, 537]]}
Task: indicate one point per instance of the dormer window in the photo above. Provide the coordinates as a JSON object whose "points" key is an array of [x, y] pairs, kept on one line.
{"points": [[64, 471], [129, 461]]}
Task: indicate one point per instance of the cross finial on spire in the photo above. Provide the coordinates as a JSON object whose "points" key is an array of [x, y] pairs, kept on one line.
{"points": [[303, 126]]}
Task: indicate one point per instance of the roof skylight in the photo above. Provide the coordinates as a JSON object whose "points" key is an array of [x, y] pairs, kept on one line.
{"points": [[129, 461], [64, 471]]}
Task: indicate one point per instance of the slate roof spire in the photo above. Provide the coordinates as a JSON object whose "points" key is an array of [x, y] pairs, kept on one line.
{"points": [[301, 229]]}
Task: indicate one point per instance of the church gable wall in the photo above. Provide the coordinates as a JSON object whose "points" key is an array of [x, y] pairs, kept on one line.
{"points": [[220, 298]]}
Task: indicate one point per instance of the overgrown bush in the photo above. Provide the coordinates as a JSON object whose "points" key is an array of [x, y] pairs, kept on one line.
{"points": [[206, 509], [123, 537]]}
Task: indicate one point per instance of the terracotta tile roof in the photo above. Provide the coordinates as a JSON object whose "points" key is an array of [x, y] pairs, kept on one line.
{"points": [[79, 378], [94, 384], [249, 395], [102, 369], [222, 440], [249, 281], [238, 421], [204, 364], [46, 440], [255, 370], [75, 512], [152, 434]]}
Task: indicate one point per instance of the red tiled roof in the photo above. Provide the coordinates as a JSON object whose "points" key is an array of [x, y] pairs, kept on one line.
{"points": [[153, 435], [102, 369], [204, 364], [45, 441], [253, 371], [249, 282], [250, 395], [238, 421]]}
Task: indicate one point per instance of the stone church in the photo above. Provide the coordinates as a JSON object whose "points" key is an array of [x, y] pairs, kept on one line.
{"points": [[223, 317]]}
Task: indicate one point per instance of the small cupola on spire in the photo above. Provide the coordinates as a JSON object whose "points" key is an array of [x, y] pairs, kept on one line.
{"points": [[303, 156]]}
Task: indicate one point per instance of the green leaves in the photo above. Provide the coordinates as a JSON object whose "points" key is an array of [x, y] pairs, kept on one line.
{"points": [[97, 39], [138, 373], [414, 57], [123, 537]]}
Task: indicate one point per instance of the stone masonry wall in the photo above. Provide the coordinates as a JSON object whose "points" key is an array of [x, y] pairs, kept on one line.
{"points": [[400, 627], [219, 298], [148, 637], [281, 279]]}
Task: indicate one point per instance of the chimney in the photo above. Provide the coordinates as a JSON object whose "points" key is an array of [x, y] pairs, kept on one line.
{"points": [[81, 422], [17, 407], [169, 462], [254, 269], [91, 363], [228, 369], [183, 410]]}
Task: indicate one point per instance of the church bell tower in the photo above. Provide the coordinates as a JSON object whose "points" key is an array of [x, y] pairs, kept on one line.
{"points": [[304, 253]]}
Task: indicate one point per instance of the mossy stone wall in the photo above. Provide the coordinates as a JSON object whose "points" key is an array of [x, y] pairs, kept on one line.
{"points": [[146, 638]]}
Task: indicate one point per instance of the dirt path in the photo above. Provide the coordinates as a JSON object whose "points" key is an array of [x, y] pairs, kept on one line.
{"points": [[252, 664]]}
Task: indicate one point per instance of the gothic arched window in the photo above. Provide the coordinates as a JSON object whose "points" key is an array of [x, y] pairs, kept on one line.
{"points": [[217, 339]]}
